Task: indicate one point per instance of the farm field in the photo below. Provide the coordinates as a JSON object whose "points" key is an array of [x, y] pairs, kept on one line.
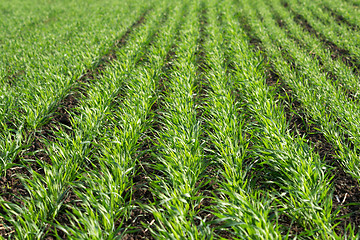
{"points": [[170, 119]]}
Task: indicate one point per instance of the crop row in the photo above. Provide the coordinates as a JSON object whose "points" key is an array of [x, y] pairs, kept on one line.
{"points": [[321, 97], [73, 150], [189, 112], [41, 68]]}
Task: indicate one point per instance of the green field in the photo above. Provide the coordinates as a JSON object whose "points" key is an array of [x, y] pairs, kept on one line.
{"points": [[167, 119]]}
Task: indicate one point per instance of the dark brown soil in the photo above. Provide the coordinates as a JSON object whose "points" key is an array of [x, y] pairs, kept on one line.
{"points": [[346, 188], [11, 190], [207, 184], [11, 79], [338, 53], [330, 75], [354, 3], [347, 198], [340, 19], [141, 219], [290, 226], [209, 190], [62, 116]]}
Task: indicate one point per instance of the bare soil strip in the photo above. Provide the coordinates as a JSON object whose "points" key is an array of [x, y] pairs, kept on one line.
{"points": [[338, 53], [141, 219], [341, 19], [353, 2], [207, 183], [330, 75], [11, 79]]}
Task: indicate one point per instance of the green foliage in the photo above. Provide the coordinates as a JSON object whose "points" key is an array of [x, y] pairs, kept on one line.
{"points": [[178, 97]]}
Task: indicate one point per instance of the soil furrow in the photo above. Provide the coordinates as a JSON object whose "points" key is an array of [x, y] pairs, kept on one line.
{"points": [[338, 53], [207, 185], [340, 19], [333, 77], [211, 190], [141, 219]]}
